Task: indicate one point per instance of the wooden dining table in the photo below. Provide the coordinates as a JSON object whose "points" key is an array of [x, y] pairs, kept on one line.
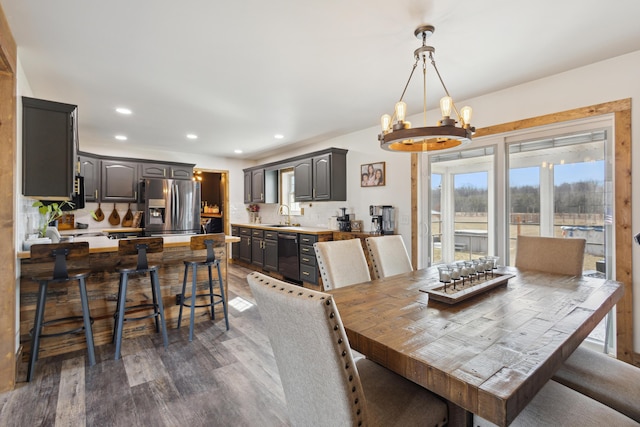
{"points": [[488, 354]]}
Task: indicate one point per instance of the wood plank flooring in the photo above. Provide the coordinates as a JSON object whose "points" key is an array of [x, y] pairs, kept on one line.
{"points": [[226, 378]]}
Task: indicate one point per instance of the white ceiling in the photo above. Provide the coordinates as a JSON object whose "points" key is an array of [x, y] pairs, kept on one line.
{"points": [[237, 72]]}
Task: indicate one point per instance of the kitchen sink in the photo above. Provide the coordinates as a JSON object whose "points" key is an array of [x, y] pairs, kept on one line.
{"points": [[282, 225]]}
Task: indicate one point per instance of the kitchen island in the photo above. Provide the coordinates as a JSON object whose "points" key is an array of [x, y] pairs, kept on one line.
{"points": [[102, 288]]}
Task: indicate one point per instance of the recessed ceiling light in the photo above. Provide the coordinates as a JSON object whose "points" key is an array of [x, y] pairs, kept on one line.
{"points": [[192, 136], [278, 136], [123, 110], [121, 137], [237, 151]]}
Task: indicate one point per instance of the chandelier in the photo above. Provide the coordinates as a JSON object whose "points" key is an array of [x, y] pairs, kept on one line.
{"points": [[397, 133]]}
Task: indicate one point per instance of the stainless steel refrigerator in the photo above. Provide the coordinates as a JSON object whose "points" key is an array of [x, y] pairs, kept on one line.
{"points": [[171, 206]]}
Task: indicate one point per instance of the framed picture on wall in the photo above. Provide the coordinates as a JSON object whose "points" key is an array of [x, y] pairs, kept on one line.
{"points": [[373, 174]]}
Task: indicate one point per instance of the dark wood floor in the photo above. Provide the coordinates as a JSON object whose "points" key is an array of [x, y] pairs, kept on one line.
{"points": [[225, 378]]}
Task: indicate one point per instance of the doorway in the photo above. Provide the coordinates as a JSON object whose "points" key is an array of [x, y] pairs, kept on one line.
{"points": [[214, 199]]}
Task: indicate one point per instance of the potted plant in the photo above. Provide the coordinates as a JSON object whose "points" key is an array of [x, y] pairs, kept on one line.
{"points": [[49, 213]]}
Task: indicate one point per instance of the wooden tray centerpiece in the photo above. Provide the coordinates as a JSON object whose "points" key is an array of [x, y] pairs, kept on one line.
{"points": [[452, 294]]}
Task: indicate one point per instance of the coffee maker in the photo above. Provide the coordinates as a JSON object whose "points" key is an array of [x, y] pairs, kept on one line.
{"points": [[382, 219], [344, 222]]}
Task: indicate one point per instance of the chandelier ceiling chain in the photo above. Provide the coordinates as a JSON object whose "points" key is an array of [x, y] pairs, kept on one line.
{"points": [[397, 133]]}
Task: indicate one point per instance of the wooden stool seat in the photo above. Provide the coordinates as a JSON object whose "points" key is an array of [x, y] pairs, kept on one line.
{"points": [[199, 242], [140, 247], [60, 253]]}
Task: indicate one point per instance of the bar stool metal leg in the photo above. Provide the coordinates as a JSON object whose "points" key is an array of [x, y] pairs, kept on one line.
{"points": [[35, 339], [88, 332], [213, 308], [192, 316], [184, 288], [155, 283], [122, 298], [154, 296], [222, 295]]}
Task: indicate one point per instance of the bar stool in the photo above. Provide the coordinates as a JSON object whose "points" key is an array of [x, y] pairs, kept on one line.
{"points": [[60, 253], [203, 241], [140, 247]]}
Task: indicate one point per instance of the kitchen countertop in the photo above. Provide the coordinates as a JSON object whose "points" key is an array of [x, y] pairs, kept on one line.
{"points": [[105, 244], [294, 229]]}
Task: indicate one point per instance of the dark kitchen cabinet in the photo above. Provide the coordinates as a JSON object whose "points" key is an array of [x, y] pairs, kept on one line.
{"points": [[161, 170], [119, 181], [257, 186], [245, 245], [90, 170], [257, 247], [181, 172], [235, 247], [308, 264], [247, 187], [49, 149], [270, 260], [322, 177], [154, 170], [261, 185]]}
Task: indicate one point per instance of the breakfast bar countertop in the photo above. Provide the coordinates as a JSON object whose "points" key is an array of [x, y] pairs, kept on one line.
{"points": [[105, 244]]}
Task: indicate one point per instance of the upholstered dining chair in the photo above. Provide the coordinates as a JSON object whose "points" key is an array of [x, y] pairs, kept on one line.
{"points": [[597, 375], [322, 383], [341, 263], [388, 255], [550, 254]]}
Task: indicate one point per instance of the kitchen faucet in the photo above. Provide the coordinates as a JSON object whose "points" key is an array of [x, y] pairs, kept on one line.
{"points": [[281, 212]]}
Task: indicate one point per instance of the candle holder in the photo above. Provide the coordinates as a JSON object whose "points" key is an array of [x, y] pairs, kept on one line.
{"points": [[455, 273], [444, 275], [464, 271], [471, 266]]}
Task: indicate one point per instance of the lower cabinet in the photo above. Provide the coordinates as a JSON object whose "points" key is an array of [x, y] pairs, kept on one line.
{"points": [[235, 247], [270, 251], [244, 253], [308, 265], [257, 247]]}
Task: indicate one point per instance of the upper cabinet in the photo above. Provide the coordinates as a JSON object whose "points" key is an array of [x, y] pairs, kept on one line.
{"points": [[260, 185], [322, 177], [319, 176], [247, 187], [49, 146], [164, 170], [90, 170], [119, 181]]}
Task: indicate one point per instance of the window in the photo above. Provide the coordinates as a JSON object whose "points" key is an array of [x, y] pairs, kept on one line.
{"points": [[288, 191], [461, 208]]}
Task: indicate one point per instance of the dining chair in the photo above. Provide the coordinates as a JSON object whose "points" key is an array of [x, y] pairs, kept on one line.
{"points": [[603, 378], [597, 375], [322, 383], [557, 405], [341, 263], [550, 254], [388, 255]]}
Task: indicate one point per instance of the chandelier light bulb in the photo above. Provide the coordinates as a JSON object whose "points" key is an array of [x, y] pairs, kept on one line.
{"points": [[445, 106], [385, 121], [401, 111], [466, 113]]}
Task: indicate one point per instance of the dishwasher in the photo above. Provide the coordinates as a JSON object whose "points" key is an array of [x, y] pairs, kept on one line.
{"points": [[288, 263]]}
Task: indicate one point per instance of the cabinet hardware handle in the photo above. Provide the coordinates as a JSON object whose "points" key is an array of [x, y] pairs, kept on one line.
{"points": [[305, 259], [314, 193], [305, 273], [96, 194], [135, 195]]}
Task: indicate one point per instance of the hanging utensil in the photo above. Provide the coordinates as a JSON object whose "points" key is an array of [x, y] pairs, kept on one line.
{"points": [[114, 218], [98, 215], [127, 221]]}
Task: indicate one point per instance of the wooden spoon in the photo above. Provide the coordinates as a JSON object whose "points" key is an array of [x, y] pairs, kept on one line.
{"points": [[114, 218], [98, 214], [127, 221]]}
